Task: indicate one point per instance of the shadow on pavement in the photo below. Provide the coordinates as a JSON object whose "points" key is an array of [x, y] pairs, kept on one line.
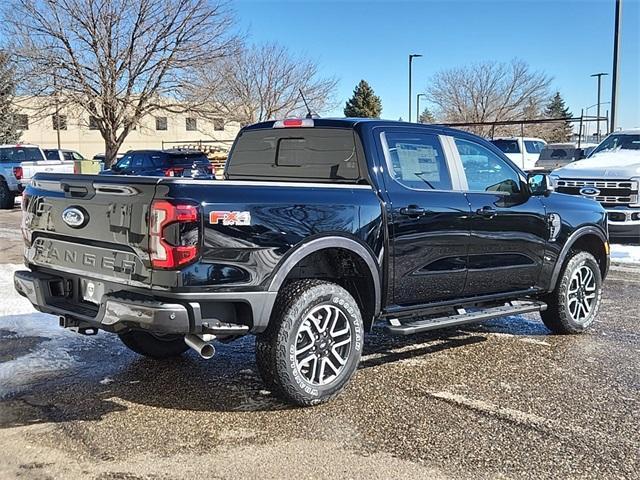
{"points": [[108, 378]]}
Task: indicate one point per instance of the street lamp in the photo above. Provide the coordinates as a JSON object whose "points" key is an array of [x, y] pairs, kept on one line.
{"points": [[411, 57], [418, 106], [599, 77]]}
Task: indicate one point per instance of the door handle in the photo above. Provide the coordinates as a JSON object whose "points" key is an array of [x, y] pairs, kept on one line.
{"points": [[486, 211], [413, 211]]}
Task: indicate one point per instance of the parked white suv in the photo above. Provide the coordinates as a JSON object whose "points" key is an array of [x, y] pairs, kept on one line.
{"points": [[523, 151], [611, 176]]}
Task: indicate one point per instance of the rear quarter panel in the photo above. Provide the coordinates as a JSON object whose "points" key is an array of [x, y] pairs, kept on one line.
{"points": [[283, 215]]}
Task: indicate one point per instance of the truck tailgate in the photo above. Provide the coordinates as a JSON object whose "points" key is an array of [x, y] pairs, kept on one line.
{"points": [[29, 169], [96, 226]]}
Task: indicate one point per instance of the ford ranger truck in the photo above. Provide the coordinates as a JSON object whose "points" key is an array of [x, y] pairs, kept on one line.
{"points": [[610, 176], [320, 229]]}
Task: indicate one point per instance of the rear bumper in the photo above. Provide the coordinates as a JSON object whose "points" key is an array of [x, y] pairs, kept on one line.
{"points": [[121, 311]]}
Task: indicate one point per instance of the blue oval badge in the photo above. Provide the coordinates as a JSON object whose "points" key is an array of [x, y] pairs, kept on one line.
{"points": [[74, 217], [589, 192]]}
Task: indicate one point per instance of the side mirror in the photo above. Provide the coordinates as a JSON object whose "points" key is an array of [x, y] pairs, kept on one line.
{"points": [[539, 184]]}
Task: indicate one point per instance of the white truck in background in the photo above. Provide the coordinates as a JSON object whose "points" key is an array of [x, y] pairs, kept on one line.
{"points": [[54, 161], [609, 175], [523, 151]]}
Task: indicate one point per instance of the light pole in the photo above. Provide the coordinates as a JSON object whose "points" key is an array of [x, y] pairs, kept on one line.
{"points": [[411, 57], [599, 77], [418, 106], [614, 76]]}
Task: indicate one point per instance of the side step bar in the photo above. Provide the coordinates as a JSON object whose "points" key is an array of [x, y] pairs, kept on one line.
{"points": [[395, 327]]}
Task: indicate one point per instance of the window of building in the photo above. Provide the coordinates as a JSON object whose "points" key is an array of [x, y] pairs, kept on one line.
{"points": [[22, 121], [93, 123], [161, 123], [218, 124], [191, 124], [59, 122]]}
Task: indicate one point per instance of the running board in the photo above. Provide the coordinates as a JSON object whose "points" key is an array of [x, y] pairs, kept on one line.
{"points": [[396, 327]]}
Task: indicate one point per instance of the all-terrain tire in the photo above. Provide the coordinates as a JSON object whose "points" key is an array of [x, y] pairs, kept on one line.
{"points": [[302, 308], [7, 197], [149, 345], [560, 315]]}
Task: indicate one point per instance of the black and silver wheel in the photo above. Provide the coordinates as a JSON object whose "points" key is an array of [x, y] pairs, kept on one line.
{"points": [[313, 343], [574, 304], [154, 346], [7, 197]]}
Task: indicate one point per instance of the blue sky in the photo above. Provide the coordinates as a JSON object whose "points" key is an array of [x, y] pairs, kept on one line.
{"points": [[351, 40]]}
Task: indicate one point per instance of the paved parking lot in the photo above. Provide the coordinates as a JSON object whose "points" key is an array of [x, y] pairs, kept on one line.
{"points": [[500, 400]]}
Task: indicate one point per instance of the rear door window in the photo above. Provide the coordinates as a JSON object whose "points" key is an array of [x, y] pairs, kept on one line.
{"points": [[533, 147], [51, 155], [416, 160], [507, 146], [316, 154]]}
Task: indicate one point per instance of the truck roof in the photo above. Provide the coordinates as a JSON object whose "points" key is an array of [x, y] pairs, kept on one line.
{"points": [[352, 122]]}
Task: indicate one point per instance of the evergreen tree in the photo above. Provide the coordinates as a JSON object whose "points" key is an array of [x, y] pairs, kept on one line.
{"points": [[426, 116], [561, 131], [364, 102], [8, 130]]}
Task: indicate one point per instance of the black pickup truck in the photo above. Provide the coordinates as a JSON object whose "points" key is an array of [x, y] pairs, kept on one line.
{"points": [[319, 229]]}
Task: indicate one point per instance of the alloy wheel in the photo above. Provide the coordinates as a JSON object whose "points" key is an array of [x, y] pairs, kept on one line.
{"points": [[323, 345]]}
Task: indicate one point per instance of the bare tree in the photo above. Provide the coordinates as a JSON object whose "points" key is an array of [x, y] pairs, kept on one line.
{"points": [[488, 91], [116, 60], [263, 82]]}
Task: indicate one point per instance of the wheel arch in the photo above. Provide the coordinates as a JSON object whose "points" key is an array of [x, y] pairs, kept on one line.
{"points": [[330, 247], [588, 239]]}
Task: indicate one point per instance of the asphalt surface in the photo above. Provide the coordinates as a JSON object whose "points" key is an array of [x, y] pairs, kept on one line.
{"points": [[504, 399]]}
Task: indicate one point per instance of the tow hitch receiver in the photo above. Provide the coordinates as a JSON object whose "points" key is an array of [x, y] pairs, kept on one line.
{"points": [[77, 327]]}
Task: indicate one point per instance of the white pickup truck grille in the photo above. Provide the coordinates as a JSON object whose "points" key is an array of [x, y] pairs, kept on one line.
{"points": [[610, 192]]}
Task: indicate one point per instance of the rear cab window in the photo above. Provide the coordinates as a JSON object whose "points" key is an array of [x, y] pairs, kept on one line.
{"points": [[20, 154], [295, 154]]}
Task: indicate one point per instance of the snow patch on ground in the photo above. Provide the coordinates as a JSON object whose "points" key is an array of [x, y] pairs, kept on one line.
{"points": [[51, 357], [625, 254]]}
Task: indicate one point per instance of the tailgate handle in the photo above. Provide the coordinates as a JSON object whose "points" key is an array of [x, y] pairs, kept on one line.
{"points": [[74, 191]]}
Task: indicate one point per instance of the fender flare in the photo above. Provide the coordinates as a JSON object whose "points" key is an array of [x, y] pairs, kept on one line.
{"points": [[575, 236], [323, 243]]}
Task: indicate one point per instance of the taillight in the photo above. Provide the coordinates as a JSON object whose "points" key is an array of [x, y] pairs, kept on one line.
{"points": [[17, 172], [174, 234], [173, 172]]}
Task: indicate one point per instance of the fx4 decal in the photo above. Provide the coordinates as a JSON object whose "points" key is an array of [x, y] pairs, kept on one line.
{"points": [[230, 218]]}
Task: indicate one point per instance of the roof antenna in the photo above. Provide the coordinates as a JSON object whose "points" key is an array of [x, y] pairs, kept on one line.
{"points": [[309, 114]]}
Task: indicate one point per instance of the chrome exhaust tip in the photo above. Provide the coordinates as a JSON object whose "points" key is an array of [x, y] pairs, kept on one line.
{"points": [[203, 347]]}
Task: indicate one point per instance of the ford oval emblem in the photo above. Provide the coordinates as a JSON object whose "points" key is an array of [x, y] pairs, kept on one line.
{"points": [[74, 217], [589, 192]]}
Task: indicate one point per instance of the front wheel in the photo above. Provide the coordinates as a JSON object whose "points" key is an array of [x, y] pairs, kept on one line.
{"points": [[313, 343], [574, 304], [154, 346]]}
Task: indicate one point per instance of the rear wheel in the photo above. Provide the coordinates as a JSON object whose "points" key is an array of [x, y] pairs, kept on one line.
{"points": [[574, 304], [7, 197], [154, 346], [313, 343]]}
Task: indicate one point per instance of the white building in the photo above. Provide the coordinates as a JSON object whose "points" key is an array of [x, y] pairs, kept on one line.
{"points": [[79, 132]]}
